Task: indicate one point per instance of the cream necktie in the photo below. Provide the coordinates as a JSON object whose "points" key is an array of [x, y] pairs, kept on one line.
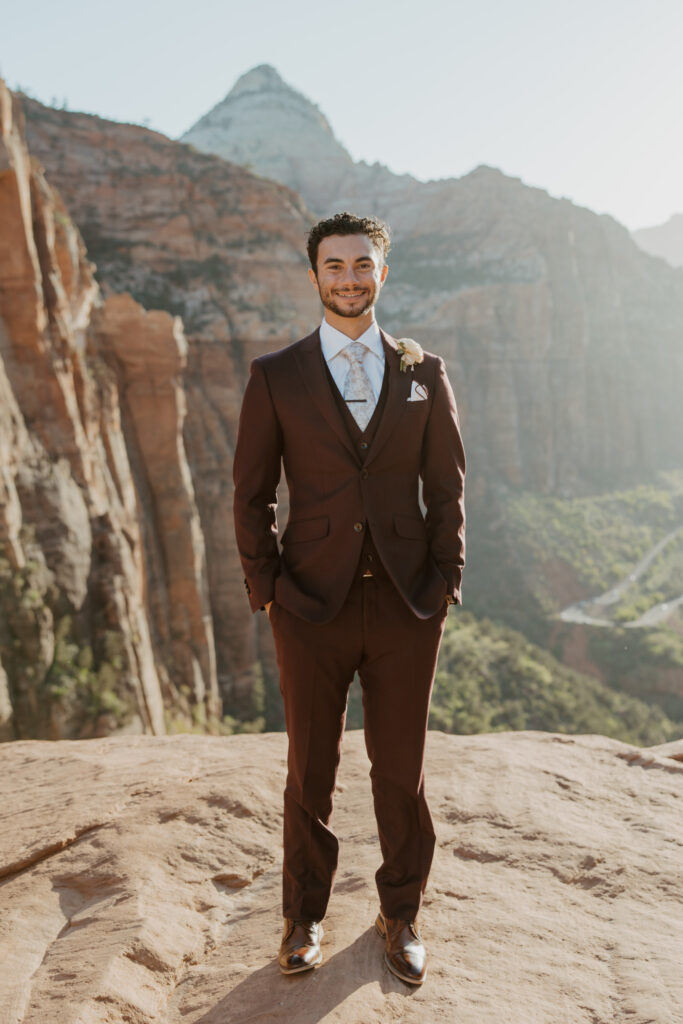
{"points": [[358, 391]]}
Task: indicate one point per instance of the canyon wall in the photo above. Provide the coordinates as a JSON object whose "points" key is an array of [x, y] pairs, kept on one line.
{"points": [[105, 621]]}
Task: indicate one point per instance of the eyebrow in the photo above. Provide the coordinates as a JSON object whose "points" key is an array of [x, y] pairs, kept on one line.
{"points": [[338, 259]]}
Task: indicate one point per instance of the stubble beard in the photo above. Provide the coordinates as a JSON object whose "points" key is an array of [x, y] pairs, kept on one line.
{"points": [[329, 302]]}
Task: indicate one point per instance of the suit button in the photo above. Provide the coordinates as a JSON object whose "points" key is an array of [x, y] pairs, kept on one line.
{"points": [[364, 474], [358, 527], [364, 445]]}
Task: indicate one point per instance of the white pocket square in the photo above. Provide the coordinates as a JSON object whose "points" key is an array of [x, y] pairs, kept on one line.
{"points": [[418, 392]]}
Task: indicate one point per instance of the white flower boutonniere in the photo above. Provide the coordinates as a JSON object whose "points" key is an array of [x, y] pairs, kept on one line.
{"points": [[411, 353]]}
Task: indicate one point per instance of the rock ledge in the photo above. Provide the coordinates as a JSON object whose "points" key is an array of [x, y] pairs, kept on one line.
{"points": [[141, 883]]}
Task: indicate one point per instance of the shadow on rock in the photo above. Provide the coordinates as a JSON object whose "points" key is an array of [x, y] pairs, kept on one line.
{"points": [[307, 998]]}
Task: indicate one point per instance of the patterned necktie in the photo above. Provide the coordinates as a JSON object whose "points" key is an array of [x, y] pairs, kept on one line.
{"points": [[358, 391]]}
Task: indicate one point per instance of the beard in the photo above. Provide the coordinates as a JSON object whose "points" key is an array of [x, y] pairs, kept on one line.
{"points": [[350, 307]]}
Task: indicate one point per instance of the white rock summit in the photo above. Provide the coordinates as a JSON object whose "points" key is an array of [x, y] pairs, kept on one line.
{"points": [[273, 129], [258, 115]]}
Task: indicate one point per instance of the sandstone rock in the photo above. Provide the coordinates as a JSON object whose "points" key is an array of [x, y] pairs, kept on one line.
{"points": [[79, 466], [141, 882], [225, 250], [182, 231], [149, 352]]}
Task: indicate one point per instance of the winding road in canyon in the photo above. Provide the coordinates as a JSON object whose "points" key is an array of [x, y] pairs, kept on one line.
{"points": [[587, 612]]}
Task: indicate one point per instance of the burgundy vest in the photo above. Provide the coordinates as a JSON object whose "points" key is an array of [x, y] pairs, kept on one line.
{"points": [[362, 439]]}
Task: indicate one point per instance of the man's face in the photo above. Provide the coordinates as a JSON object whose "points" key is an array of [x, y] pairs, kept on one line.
{"points": [[350, 274]]}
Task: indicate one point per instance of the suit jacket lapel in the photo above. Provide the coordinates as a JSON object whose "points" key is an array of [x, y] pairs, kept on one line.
{"points": [[397, 395], [310, 359]]}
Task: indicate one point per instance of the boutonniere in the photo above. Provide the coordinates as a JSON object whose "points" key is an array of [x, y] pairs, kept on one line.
{"points": [[411, 353]]}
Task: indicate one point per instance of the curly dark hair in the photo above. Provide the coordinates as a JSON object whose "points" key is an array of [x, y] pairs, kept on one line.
{"points": [[348, 224]]}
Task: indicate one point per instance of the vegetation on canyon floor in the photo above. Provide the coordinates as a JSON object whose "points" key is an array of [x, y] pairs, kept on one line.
{"points": [[491, 679], [599, 539]]}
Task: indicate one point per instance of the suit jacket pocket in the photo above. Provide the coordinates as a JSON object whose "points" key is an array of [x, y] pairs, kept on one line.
{"points": [[410, 526], [306, 529]]}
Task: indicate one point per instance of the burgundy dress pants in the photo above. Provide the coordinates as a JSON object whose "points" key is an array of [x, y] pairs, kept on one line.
{"points": [[395, 655]]}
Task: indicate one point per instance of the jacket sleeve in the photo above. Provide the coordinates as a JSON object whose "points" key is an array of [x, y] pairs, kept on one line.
{"points": [[256, 474], [443, 484]]}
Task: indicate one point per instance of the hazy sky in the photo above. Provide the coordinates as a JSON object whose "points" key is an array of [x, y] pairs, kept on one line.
{"points": [[581, 97]]}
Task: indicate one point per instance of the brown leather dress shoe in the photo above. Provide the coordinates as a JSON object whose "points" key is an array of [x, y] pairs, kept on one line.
{"points": [[404, 955], [300, 946]]}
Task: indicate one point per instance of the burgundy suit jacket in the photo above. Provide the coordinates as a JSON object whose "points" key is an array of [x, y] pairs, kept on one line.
{"points": [[289, 417]]}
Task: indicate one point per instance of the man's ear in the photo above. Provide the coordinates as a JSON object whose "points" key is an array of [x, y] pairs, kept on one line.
{"points": [[383, 275], [313, 279]]}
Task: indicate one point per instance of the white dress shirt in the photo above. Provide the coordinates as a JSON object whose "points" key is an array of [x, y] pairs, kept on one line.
{"points": [[333, 341]]}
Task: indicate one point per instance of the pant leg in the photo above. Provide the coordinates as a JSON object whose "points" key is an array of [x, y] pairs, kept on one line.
{"points": [[317, 663], [397, 676]]}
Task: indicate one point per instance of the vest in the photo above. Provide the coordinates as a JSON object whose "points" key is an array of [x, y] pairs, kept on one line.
{"points": [[369, 560]]}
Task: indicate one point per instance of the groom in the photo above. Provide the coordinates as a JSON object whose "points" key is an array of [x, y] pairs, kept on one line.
{"points": [[363, 580]]}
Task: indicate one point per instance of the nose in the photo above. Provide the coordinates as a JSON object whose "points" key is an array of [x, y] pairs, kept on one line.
{"points": [[350, 275]]}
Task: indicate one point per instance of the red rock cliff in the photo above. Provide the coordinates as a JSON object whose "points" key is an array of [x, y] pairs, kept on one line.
{"points": [[105, 621]]}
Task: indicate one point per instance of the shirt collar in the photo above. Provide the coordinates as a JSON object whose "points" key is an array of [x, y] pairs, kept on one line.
{"points": [[333, 341]]}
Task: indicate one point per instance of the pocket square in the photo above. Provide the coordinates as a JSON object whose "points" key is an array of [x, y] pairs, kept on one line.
{"points": [[418, 392]]}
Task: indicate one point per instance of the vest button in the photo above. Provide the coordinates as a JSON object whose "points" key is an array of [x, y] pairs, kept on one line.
{"points": [[364, 445], [364, 474], [358, 527]]}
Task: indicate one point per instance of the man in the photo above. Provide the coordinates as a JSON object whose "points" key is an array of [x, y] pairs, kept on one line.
{"points": [[363, 580]]}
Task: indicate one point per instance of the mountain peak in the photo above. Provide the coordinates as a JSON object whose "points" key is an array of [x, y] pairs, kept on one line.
{"points": [[266, 124], [262, 78]]}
